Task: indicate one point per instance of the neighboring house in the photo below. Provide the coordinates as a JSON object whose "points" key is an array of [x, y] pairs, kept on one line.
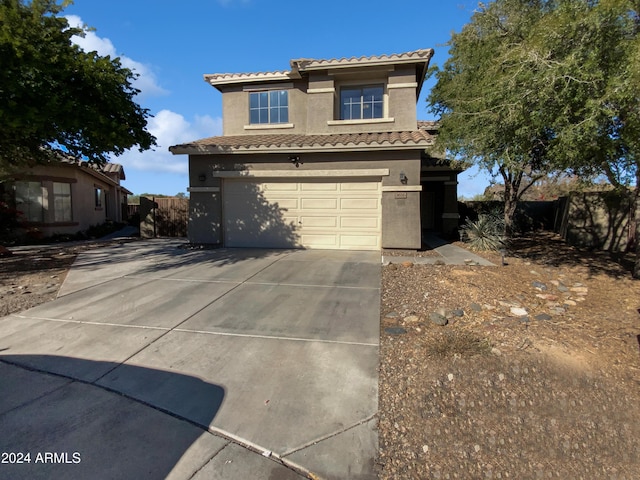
{"points": [[66, 196], [328, 154]]}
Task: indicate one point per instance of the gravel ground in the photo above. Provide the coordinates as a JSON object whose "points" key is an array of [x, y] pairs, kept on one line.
{"points": [[535, 375]]}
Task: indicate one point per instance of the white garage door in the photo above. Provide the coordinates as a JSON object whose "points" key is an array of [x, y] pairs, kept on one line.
{"points": [[335, 214]]}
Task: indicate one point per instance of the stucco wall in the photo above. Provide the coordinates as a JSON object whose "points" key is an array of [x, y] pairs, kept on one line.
{"points": [[400, 213], [314, 104]]}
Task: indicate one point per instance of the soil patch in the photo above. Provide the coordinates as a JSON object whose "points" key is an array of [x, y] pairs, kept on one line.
{"points": [[535, 375]]}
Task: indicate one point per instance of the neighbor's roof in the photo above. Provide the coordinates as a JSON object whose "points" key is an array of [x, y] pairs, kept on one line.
{"points": [[291, 143], [105, 170], [302, 65]]}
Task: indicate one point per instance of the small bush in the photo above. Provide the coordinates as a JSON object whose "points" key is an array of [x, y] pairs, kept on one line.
{"points": [[458, 343], [485, 233]]}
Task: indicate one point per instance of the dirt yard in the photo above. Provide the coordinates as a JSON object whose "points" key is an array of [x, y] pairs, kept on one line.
{"points": [[536, 374]]}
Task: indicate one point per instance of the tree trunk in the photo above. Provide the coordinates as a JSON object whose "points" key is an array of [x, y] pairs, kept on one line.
{"points": [[510, 204], [511, 187], [635, 217]]}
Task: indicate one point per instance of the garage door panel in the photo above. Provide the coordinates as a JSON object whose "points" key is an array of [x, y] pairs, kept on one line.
{"points": [[360, 222], [319, 222], [329, 203], [359, 203], [320, 240], [279, 187], [287, 203], [313, 213], [319, 187], [360, 186]]}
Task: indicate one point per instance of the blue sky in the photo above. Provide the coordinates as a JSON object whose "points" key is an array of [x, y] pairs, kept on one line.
{"points": [[172, 44]]}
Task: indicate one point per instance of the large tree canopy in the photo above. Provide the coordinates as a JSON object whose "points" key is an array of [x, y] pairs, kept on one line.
{"points": [[56, 97], [534, 87]]}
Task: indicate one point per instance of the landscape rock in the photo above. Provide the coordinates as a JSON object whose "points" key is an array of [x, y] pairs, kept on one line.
{"points": [[392, 315], [542, 317], [547, 296], [458, 313], [539, 286], [438, 319], [518, 311], [475, 307], [395, 330], [412, 319]]}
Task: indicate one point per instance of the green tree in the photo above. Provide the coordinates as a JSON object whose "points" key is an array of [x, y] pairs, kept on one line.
{"points": [[536, 87], [487, 97], [595, 76], [55, 98]]}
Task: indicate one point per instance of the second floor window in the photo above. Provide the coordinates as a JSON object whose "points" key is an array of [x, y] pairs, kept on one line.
{"points": [[357, 103], [269, 107]]}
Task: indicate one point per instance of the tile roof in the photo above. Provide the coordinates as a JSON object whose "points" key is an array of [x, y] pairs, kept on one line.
{"points": [[420, 138], [302, 65]]}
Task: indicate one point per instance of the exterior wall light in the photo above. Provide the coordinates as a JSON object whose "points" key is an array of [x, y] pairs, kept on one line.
{"points": [[295, 160], [202, 177], [403, 178]]}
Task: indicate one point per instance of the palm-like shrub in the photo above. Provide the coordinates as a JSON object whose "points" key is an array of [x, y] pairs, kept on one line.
{"points": [[484, 234]]}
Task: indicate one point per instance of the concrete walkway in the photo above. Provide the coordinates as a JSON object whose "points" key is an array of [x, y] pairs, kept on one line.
{"points": [[449, 254], [160, 362]]}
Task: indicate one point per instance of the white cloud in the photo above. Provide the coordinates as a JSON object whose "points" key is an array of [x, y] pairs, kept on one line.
{"points": [[146, 82], [170, 128]]}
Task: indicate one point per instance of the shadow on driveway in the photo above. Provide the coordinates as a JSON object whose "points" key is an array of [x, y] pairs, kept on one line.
{"points": [[74, 429]]}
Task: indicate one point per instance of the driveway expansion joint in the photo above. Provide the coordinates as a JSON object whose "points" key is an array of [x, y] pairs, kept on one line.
{"points": [[328, 436]]}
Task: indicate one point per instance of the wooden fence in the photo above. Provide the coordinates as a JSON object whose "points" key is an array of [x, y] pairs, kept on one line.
{"points": [[164, 217]]}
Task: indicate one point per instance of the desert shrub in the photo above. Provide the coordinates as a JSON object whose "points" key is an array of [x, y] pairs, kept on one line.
{"points": [[484, 234], [458, 343]]}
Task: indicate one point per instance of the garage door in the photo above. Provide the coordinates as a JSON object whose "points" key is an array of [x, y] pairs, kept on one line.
{"points": [[335, 214]]}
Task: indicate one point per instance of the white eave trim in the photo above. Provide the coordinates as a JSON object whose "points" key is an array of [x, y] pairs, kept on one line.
{"points": [[321, 90], [268, 126], [391, 86], [360, 172], [361, 121]]}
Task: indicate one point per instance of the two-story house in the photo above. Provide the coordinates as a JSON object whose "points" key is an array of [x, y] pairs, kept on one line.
{"points": [[328, 154]]}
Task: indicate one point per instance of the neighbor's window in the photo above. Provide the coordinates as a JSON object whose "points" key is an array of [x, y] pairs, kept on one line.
{"points": [[269, 107], [98, 197], [62, 202], [358, 103], [29, 201]]}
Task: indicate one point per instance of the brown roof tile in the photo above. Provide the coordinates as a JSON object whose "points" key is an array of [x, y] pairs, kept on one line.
{"points": [[349, 141]]}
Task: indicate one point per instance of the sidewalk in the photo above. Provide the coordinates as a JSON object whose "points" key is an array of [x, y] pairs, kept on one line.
{"points": [[449, 254]]}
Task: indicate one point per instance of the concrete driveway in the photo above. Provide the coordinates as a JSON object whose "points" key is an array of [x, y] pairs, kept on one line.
{"points": [[157, 361]]}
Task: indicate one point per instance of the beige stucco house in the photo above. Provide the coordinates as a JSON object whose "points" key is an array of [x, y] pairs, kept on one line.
{"points": [[328, 154], [66, 196]]}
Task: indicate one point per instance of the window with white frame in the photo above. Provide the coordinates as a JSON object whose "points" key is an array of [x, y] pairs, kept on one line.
{"points": [[361, 102], [29, 201], [62, 202], [270, 106]]}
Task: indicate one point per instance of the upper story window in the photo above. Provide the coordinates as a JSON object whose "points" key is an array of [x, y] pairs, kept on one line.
{"points": [[269, 107], [361, 102]]}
